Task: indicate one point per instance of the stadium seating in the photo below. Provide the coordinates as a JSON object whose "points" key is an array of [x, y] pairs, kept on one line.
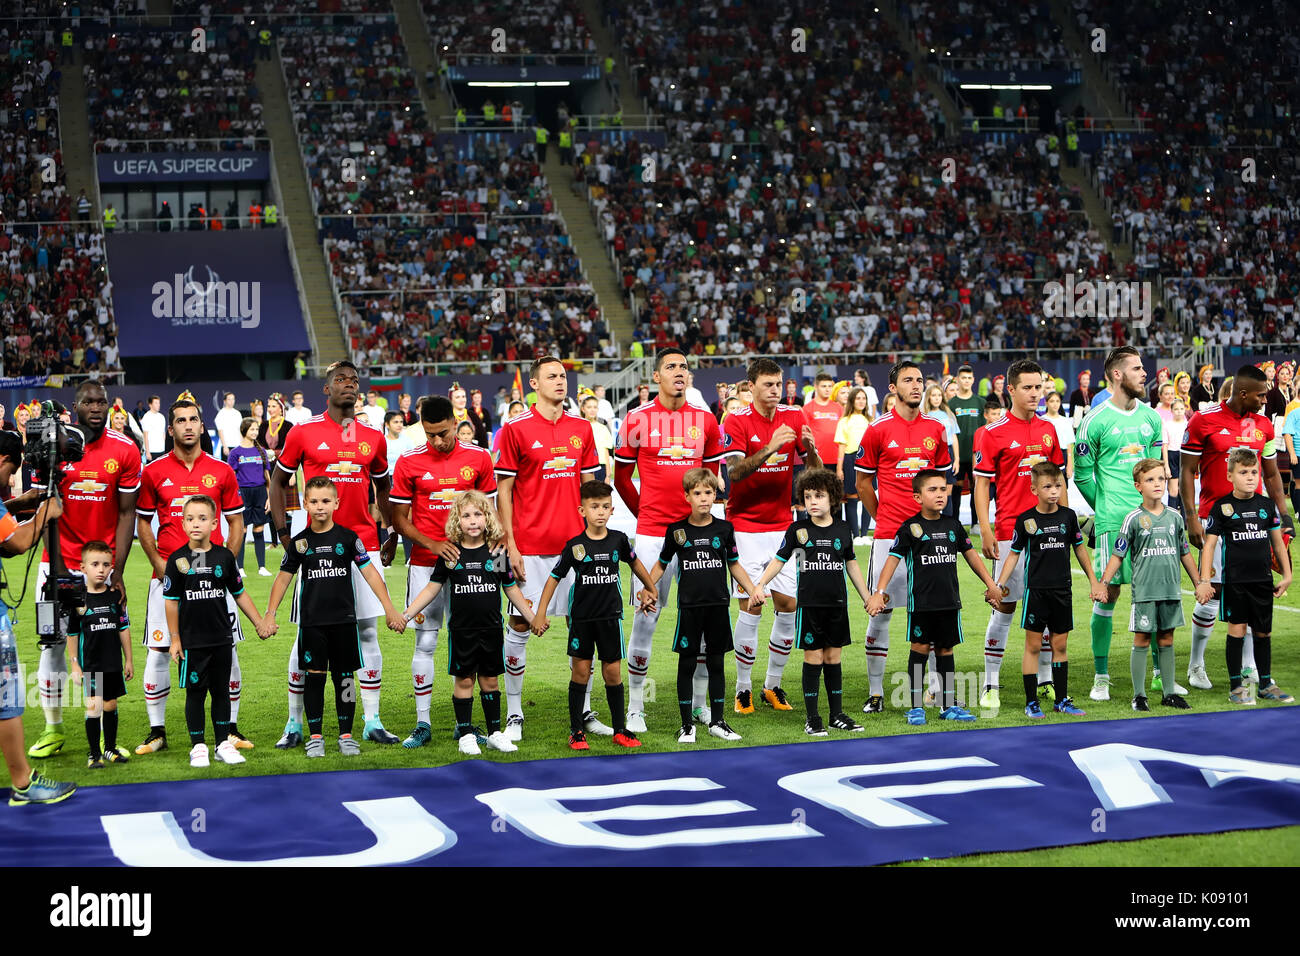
{"points": [[31, 189], [465, 31]]}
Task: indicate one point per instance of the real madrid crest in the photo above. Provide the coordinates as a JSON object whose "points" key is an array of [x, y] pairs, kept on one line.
{"points": [[301, 545], [802, 535], [1226, 508], [915, 529], [579, 552], [680, 536], [1031, 526]]}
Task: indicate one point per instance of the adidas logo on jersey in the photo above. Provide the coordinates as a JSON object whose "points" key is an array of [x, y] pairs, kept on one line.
{"points": [[323, 446], [892, 444], [427, 477], [654, 433], [537, 444], [1224, 432], [167, 483], [1114, 431], [1014, 444]]}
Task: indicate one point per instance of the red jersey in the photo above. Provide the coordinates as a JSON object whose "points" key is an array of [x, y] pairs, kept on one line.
{"points": [[429, 481], [90, 489], [664, 445], [822, 419], [1005, 451], [762, 501], [1212, 433], [547, 460], [320, 447], [168, 483], [895, 450]]}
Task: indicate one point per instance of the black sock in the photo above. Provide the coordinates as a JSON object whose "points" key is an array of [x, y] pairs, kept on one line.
{"points": [[614, 694], [221, 693], [685, 686], [92, 736], [577, 693], [1234, 646], [110, 729], [916, 662], [717, 685], [946, 665], [1031, 687], [194, 717], [259, 548], [1264, 659], [313, 703], [833, 674], [491, 700], [1061, 679], [464, 709], [345, 699], [812, 681]]}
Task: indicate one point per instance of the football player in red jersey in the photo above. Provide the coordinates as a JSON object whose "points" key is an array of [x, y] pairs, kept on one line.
{"points": [[1212, 433], [354, 456], [167, 483], [98, 505], [1005, 454], [760, 442], [426, 480], [662, 440], [545, 455], [895, 448]]}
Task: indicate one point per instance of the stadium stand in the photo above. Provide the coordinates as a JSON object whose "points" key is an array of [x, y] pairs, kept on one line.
{"points": [[464, 32], [33, 181]]}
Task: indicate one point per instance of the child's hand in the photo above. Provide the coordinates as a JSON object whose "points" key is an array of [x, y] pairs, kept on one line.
{"points": [[75, 675], [756, 599], [128, 670], [1205, 592], [396, 622], [1282, 585], [175, 651], [540, 624], [993, 596], [648, 599], [875, 604], [1100, 593]]}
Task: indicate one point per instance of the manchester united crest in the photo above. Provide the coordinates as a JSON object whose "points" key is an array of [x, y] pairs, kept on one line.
{"points": [[467, 473], [364, 448], [209, 481], [915, 529], [111, 466], [694, 432], [1031, 526], [1047, 440], [802, 535], [579, 552], [680, 537], [575, 441], [929, 443]]}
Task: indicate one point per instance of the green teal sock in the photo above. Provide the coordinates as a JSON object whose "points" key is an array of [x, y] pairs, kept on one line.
{"points": [[1166, 655], [1102, 625], [1137, 666]]}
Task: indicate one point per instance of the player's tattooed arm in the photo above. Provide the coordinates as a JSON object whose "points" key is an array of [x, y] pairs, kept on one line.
{"points": [[745, 467]]}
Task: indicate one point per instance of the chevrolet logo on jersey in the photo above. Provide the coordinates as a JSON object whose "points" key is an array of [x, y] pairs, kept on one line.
{"points": [[913, 464], [676, 450], [88, 486], [445, 495], [1030, 460], [559, 464], [343, 468], [778, 459], [1132, 449]]}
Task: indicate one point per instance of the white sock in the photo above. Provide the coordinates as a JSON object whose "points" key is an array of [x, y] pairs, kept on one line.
{"points": [[779, 645], [297, 685], [52, 675], [638, 659], [878, 651], [371, 675], [700, 685], [591, 680], [157, 681], [426, 643], [236, 684], [516, 652], [995, 645], [1045, 660], [1203, 617], [1248, 652], [936, 685], [744, 639]]}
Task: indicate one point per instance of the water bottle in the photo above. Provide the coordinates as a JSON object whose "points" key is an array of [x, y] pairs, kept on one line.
{"points": [[11, 684]]}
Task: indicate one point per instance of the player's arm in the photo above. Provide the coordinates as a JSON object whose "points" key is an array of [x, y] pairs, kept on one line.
{"points": [[641, 573], [396, 621], [149, 543], [1112, 566], [383, 484], [876, 602], [506, 515], [421, 600], [988, 540], [864, 467], [742, 469], [625, 486], [740, 576], [235, 530], [1283, 561], [516, 597], [279, 588], [809, 450], [276, 499], [404, 526], [992, 588], [1085, 466], [1273, 482], [124, 536]]}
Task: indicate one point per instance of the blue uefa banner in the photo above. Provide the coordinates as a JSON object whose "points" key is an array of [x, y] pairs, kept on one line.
{"points": [[843, 802], [197, 167], [197, 293]]}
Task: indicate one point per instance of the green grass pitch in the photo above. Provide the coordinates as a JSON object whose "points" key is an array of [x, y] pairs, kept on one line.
{"points": [[263, 708]]}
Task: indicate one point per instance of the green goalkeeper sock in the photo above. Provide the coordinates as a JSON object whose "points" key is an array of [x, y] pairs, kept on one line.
{"points": [[1102, 624], [1137, 664]]}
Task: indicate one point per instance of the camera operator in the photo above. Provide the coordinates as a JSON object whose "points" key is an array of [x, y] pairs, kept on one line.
{"points": [[28, 785], [99, 493]]}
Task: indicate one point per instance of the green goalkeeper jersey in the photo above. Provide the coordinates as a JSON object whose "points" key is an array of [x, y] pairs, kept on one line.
{"points": [[1109, 443]]}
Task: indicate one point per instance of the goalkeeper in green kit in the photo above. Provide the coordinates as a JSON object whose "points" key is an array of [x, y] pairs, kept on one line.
{"points": [[1112, 438]]}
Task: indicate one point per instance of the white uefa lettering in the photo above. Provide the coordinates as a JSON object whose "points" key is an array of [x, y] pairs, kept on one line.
{"points": [[1119, 777], [541, 814], [882, 807]]}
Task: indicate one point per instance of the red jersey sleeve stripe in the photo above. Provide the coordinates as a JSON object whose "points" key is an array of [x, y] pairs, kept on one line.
{"points": [[288, 471], [233, 511], [146, 512], [397, 500]]}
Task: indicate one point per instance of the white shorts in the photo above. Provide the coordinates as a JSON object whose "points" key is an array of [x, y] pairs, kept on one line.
{"points": [[368, 606], [897, 590], [647, 550], [537, 571], [756, 549], [430, 619], [1216, 569], [1015, 583], [158, 636]]}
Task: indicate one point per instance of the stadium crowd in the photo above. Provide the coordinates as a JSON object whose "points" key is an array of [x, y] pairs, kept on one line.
{"points": [[548, 27]]}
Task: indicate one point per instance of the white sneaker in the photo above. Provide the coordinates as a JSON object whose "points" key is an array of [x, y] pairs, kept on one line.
{"points": [[636, 724], [592, 725], [1248, 676], [227, 753], [514, 728], [469, 745], [263, 573], [684, 736], [199, 756], [1100, 687], [722, 731], [1197, 677], [702, 715], [499, 741], [1180, 690]]}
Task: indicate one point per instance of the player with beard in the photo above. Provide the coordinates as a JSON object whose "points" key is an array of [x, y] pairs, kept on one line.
{"points": [[896, 447], [662, 440], [352, 455], [1113, 437], [99, 494], [1212, 433], [168, 482]]}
